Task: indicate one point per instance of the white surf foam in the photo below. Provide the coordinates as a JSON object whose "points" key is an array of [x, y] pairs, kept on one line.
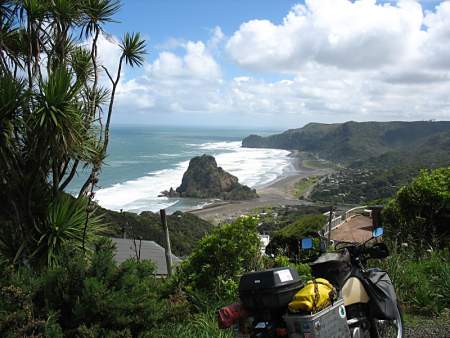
{"points": [[253, 167], [142, 193]]}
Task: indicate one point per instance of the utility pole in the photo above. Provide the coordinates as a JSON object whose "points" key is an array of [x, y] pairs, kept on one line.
{"points": [[162, 212], [330, 219]]}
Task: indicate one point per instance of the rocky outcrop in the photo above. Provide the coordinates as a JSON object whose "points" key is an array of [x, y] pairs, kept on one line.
{"points": [[204, 179], [169, 193]]}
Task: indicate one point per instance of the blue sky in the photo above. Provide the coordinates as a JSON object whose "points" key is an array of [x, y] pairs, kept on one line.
{"points": [[193, 20], [282, 63], [161, 20], [165, 20]]}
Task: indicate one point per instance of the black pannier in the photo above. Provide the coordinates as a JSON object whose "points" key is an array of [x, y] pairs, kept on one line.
{"points": [[333, 266], [383, 299], [269, 290]]}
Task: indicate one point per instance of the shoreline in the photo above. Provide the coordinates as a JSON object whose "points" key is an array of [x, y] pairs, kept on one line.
{"points": [[276, 193]]}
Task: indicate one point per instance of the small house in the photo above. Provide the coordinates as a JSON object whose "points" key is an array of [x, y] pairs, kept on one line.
{"points": [[128, 248]]}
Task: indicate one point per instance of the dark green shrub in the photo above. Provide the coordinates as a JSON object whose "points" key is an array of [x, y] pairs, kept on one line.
{"points": [[286, 240], [96, 331], [86, 299], [18, 316], [420, 211], [220, 257], [304, 270]]}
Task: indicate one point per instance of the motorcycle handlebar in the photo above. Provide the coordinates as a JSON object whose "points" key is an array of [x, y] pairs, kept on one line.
{"points": [[355, 248]]}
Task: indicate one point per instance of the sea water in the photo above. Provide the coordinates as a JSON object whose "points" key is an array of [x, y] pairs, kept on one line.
{"points": [[143, 161]]}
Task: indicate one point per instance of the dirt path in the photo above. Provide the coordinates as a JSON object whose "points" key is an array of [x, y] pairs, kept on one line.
{"points": [[356, 229]]}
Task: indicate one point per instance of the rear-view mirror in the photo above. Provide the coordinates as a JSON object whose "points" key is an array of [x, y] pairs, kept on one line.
{"points": [[307, 243], [377, 232]]}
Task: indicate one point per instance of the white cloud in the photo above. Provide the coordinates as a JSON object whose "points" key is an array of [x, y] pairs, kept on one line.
{"points": [[436, 47], [352, 35], [337, 60], [175, 83], [196, 63], [217, 37], [108, 51], [171, 43]]}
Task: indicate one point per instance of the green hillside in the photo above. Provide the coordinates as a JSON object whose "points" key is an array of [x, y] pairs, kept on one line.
{"points": [[378, 156], [359, 141]]}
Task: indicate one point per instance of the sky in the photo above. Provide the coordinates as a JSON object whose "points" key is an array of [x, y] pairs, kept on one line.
{"points": [[281, 63]]}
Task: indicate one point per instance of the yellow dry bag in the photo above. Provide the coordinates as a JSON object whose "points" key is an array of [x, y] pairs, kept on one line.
{"points": [[315, 295]]}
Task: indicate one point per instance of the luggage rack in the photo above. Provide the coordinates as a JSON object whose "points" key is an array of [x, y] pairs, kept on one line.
{"points": [[330, 322]]}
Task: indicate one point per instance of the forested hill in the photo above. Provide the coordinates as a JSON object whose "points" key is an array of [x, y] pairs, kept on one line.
{"points": [[360, 141]]}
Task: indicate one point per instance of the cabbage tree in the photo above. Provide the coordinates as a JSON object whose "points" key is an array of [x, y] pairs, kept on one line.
{"points": [[54, 119]]}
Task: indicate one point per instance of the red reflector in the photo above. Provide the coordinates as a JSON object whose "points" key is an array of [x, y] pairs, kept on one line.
{"points": [[281, 332]]}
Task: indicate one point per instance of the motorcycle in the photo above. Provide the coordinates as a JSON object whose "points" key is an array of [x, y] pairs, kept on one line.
{"points": [[364, 304]]}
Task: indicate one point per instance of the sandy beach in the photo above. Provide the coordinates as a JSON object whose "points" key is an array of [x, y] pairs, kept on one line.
{"points": [[277, 193]]}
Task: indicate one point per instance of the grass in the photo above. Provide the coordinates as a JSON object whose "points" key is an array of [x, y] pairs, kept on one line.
{"points": [[202, 325], [422, 283], [258, 210], [318, 164], [304, 184]]}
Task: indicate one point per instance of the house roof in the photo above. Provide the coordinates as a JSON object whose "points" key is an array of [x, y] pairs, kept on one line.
{"points": [[151, 250]]}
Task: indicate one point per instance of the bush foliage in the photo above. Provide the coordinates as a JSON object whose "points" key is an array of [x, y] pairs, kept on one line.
{"points": [[80, 299], [220, 257], [420, 211], [286, 240]]}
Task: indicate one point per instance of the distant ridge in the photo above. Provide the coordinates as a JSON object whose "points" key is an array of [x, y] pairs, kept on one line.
{"points": [[360, 141]]}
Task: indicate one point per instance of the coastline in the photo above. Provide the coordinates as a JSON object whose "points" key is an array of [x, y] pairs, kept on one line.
{"points": [[276, 193]]}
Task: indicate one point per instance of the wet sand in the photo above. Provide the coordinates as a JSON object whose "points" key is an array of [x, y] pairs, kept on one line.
{"points": [[276, 193]]}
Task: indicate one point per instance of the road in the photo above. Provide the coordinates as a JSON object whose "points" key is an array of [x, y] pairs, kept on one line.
{"points": [[355, 229]]}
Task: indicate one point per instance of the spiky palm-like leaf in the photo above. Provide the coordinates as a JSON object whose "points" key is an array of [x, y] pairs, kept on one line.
{"points": [[62, 49], [35, 9], [88, 151], [133, 49], [82, 65], [12, 92], [96, 13], [48, 120], [58, 109], [61, 119], [12, 100], [7, 8], [97, 96], [65, 12], [64, 229], [13, 42]]}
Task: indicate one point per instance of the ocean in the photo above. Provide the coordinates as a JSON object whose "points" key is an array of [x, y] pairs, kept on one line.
{"points": [[145, 160]]}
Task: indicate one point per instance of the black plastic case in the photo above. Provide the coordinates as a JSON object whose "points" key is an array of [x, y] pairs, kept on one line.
{"points": [[269, 290]]}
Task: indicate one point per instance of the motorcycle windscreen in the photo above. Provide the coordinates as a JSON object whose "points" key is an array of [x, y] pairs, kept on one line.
{"points": [[383, 299]]}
